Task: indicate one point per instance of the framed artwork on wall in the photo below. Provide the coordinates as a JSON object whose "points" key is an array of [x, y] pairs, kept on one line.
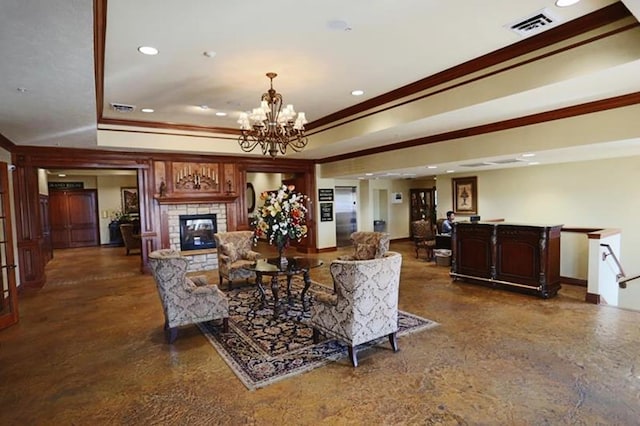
{"points": [[129, 200], [465, 195]]}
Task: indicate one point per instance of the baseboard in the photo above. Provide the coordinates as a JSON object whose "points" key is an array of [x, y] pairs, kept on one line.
{"points": [[573, 281], [592, 298], [326, 249]]}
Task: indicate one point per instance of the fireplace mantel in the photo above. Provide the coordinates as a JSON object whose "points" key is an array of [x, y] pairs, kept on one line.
{"points": [[197, 198]]}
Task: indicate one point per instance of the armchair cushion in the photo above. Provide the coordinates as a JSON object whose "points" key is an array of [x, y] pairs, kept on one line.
{"points": [[365, 252], [380, 240]]}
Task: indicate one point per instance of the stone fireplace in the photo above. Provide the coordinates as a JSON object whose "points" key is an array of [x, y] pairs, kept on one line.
{"points": [[200, 259]]}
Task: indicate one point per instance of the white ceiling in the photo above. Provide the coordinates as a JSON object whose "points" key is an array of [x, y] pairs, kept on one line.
{"points": [[322, 50]]}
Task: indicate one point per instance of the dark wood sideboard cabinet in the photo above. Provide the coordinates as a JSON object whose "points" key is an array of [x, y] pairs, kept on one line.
{"points": [[517, 257]]}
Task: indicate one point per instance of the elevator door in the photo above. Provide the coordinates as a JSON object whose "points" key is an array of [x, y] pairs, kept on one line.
{"points": [[346, 218]]}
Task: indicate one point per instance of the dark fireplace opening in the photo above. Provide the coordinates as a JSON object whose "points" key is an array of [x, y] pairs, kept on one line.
{"points": [[197, 230]]}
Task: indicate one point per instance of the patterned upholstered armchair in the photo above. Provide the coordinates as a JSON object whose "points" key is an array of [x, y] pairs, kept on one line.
{"points": [[423, 236], [368, 245], [234, 252], [364, 305], [185, 300]]}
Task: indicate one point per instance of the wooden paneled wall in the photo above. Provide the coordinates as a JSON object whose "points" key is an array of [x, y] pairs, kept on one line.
{"points": [[157, 186]]}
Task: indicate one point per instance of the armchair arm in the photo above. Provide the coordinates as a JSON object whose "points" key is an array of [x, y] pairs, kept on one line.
{"points": [[199, 285], [252, 255], [346, 257], [326, 298], [224, 259], [200, 280], [210, 289]]}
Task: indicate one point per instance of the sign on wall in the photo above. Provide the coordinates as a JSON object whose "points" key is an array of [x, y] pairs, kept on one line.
{"points": [[325, 194], [326, 212], [65, 185]]}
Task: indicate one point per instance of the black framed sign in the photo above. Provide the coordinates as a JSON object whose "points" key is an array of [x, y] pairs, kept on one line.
{"points": [[65, 185], [326, 212], [325, 194]]}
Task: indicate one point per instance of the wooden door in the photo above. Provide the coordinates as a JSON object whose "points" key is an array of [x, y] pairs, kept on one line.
{"points": [[58, 209], [8, 290], [83, 218], [74, 218]]}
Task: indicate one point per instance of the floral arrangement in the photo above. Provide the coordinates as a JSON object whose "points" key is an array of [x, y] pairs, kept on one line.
{"points": [[282, 217], [118, 215]]}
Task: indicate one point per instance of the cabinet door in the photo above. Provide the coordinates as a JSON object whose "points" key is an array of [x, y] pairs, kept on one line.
{"points": [[518, 254], [473, 249]]}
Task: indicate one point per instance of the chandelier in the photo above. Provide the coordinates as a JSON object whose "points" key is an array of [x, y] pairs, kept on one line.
{"points": [[272, 127]]}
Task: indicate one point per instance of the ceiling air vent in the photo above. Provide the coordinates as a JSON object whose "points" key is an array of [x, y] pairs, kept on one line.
{"points": [[475, 164], [122, 107], [537, 22], [508, 161]]}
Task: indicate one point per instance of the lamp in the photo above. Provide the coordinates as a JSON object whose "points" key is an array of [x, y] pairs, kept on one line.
{"points": [[271, 126]]}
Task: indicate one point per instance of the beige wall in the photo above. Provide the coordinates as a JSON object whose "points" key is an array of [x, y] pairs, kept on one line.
{"points": [[264, 182], [591, 194]]}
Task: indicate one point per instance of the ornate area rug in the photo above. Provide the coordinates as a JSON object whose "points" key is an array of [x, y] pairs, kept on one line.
{"points": [[261, 349]]}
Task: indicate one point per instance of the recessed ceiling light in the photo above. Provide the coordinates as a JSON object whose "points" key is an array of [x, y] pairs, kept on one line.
{"points": [[62, 175], [148, 50], [147, 110], [368, 174], [450, 171], [534, 163], [565, 3], [529, 154], [357, 92], [205, 107], [432, 167], [209, 53], [221, 114]]}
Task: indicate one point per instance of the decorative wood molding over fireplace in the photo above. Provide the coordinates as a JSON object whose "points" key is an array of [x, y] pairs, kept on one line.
{"points": [[180, 182]]}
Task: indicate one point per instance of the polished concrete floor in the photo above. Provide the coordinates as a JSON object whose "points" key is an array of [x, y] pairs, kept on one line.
{"points": [[89, 349]]}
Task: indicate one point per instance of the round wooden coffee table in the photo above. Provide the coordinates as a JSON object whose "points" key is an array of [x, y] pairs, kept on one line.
{"points": [[271, 267]]}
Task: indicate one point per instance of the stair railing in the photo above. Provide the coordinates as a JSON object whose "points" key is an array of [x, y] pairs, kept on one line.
{"points": [[621, 277]]}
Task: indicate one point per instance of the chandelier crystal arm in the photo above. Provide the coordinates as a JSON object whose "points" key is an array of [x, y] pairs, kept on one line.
{"points": [[272, 127]]}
